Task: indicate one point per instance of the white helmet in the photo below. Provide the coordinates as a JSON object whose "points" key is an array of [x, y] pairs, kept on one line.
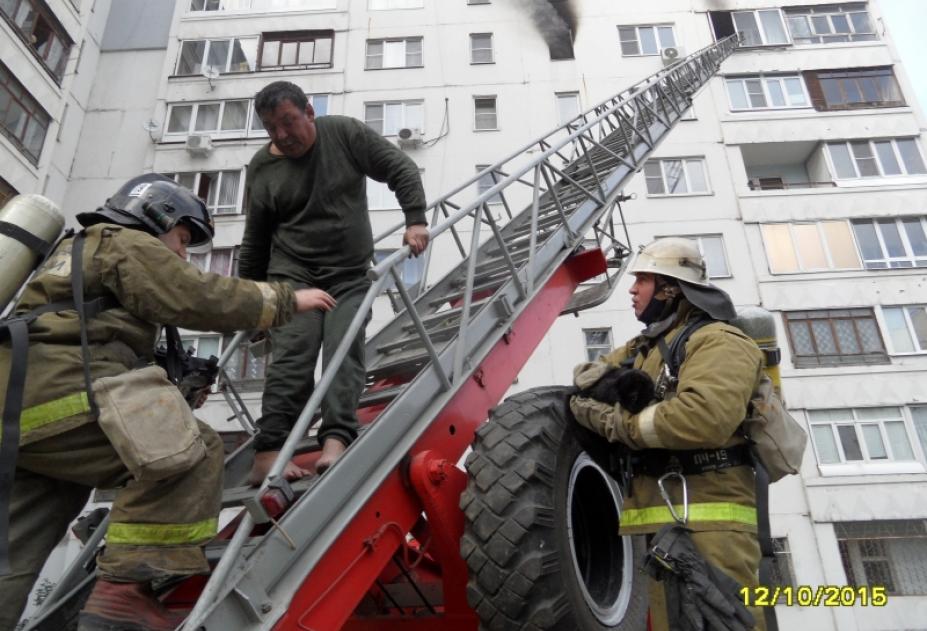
{"points": [[674, 257]]}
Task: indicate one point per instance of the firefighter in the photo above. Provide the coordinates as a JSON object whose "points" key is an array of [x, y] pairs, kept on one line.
{"points": [[133, 252], [692, 428], [308, 225]]}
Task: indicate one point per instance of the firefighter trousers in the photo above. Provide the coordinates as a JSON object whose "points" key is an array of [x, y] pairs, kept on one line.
{"points": [[156, 528], [737, 554], [291, 376]]}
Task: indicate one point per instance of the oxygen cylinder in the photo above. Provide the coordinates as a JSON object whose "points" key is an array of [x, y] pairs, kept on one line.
{"points": [[760, 325], [37, 215]]}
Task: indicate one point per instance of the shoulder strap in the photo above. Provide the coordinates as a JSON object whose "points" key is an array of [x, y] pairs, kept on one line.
{"points": [[77, 288], [675, 353]]}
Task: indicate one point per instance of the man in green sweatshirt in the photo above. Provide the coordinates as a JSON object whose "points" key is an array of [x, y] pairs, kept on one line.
{"points": [[308, 225]]}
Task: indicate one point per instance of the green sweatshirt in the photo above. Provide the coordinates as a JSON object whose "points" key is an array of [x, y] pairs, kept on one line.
{"points": [[307, 217]]}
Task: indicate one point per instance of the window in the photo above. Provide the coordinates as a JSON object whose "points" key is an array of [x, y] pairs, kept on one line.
{"points": [[756, 28], [711, 247], [244, 369], [484, 113], [907, 328], [782, 573], [388, 118], [834, 337], [886, 553], [481, 48], [567, 106], [645, 40], [892, 243], [38, 27], [876, 158], [263, 5], [861, 436], [598, 343], [222, 55], [830, 24], [410, 271], [223, 261], [809, 247], [486, 182], [478, 1], [204, 346], [221, 117], [377, 5], [22, 119], [853, 89], [676, 176], [7, 192], [394, 53], [296, 49], [766, 92], [219, 189]]}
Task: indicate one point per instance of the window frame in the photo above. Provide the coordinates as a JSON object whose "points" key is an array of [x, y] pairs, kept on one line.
{"points": [[910, 328], [840, 358], [228, 57], [207, 258], [823, 241], [272, 6], [558, 96], [56, 33], [655, 29], [910, 256], [608, 348], [486, 182], [299, 38], [764, 80], [828, 11], [814, 80], [253, 127], [32, 113], [867, 464], [685, 160], [477, 114], [699, 241], [405, 122], [896, 152], [761, 27], [216, 210], [474, 49], [405, 52]]}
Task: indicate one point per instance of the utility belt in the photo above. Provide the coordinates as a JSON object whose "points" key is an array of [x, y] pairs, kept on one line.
{"points": [[657, 462]]}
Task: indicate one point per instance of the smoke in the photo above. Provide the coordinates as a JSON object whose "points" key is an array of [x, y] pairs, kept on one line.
{"points": [[556, 21]]}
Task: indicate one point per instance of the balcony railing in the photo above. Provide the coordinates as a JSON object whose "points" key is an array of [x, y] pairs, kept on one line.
{"points": [[776, 184]]}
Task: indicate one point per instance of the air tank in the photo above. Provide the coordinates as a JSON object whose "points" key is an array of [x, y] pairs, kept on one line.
{"points": [[36, 215]]}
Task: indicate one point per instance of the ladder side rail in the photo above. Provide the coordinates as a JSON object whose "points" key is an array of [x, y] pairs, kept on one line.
{"points": [[380, 279]]}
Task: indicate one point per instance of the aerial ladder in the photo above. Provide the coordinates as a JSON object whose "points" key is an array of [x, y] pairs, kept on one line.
{"points": [[375, 542]]}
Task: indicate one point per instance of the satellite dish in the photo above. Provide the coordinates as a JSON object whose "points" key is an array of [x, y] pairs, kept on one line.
{"points": [[151, 126], [211, 73]]}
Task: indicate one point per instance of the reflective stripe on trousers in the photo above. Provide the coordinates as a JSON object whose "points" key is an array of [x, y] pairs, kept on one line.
{"points": [[706, 511], [161, 534]]}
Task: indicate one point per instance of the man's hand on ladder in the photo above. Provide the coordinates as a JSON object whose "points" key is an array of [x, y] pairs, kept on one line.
{"points": [[264, 460]]}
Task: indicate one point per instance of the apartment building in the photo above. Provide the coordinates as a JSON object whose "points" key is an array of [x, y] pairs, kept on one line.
{"points": [[48, 53], [800, 171]]}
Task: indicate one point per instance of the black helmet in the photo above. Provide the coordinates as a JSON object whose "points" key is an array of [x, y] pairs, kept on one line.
{"points": [[155, 204]]}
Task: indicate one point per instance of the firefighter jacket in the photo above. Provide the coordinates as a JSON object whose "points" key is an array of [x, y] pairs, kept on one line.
{"points": [[721, 369], [153, 287]]}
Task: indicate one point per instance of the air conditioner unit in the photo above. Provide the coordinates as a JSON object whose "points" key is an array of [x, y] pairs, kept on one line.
{"points": [[409, 138], [198, 145], [672, 54]]}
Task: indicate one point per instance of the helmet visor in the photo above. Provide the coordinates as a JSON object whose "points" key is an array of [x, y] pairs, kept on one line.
{"points": [[200, 235]]}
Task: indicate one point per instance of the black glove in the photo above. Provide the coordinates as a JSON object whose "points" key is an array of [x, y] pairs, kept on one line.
{"points": [[699, 596], [631, 388]]}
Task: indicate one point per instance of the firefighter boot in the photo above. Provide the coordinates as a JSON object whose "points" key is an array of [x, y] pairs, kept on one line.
{"points": [[125, 607]]}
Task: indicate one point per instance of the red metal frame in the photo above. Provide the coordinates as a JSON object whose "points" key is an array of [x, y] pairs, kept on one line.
{"points": [[328, 597]]}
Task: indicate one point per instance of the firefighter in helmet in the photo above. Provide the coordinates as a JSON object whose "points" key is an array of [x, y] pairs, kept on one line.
{"points": [[133, 269], [691, 427]]}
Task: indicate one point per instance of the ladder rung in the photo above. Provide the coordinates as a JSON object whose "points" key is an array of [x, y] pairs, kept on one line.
{"points": [[438, 335], [492, 284], [380, 396]]}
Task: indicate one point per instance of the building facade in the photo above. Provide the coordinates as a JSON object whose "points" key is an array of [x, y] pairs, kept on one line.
{"points": [[800, 170]]}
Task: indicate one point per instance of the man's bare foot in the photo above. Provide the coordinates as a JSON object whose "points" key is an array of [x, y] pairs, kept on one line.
{"points": [[264, 460], [332, 449]]}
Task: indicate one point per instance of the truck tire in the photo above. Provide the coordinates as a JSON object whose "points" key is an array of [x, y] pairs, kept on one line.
{"points": [[541, 527]]}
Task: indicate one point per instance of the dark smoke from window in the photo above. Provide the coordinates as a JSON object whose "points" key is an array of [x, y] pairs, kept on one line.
{"points": [[556, 21]]}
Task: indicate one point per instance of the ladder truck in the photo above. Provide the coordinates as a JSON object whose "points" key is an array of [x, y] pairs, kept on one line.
{"points": [[395, 536]]}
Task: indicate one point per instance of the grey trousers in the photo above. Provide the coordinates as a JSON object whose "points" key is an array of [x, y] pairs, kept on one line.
{"points": [[290, 378], [156, 528]]}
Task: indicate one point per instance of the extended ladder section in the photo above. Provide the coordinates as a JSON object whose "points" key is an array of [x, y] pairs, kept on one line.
{"points": [[436, 369]]}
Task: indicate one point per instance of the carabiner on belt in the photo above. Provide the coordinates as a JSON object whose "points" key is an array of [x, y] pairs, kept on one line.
{"points": [[669, 503]]}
